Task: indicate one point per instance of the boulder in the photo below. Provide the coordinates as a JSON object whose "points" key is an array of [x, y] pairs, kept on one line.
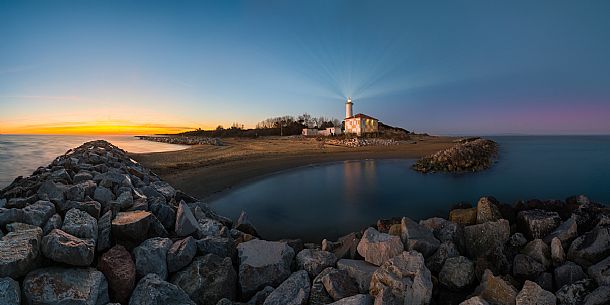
{"points": [[80, 224], [314, 261], [537, 223], [360, 271], [480, 239], [153, 290], [221, 246], [181, 254], [103, 195], [55, 222], [51, 190], [495, 290], [359, 299], [19, 227], [318, 294], [568, 273], [575, 293], [599, 296], [186, 223], [92, 207], [517, 241], [10, 215], [403, 278], [417, 237], [376, 248], [487, 210], [56, 285], [566, 232], [532, 294], [131, 228], [151, 257], [164, 189], [104, 231], [69, 249], [526, 267], [293, 291], [558, 256], [19, 252], [208, 279], [76, 192], [600, 272], [124, 200], [446, 250], [82, 176], [465, 217], [444, 230], [545, 281], [591, 247], [243, 224], [164, 213], [457, 273], [339, 284], [120, 271], [263, 263], [345, 247], [538, 250], [476, 300], [38, 213], [9, 291]]}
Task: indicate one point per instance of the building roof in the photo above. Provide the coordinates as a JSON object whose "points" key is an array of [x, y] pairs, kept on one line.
{"points": [[362, 116]]}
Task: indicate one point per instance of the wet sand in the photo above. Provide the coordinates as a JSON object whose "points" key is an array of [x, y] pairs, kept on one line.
{"points": [[206, 170]]}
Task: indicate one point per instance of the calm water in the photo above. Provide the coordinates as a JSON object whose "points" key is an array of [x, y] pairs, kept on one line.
{"points": [[334, 199], [20, 155]]}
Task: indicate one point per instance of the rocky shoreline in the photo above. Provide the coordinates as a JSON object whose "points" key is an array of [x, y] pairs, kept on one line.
{"points": [[467, 155], [96, 227], [182, 140]]}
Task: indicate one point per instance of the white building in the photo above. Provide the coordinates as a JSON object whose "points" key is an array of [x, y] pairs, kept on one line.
{"points": [[360, 123], [330, 131]]}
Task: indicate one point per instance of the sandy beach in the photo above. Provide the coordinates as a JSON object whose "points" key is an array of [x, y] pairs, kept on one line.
{"points": [[206, 170]]}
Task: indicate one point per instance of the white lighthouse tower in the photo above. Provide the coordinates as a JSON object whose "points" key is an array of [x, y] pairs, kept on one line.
{"points": [[348, 108]]}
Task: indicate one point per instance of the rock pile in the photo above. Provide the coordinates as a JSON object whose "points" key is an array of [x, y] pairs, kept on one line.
{"points": [[467, 155], [359, 142], [182, 140], [95, 227]]}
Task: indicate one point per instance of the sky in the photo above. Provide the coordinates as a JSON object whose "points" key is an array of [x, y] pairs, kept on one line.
{"points": [[441, 67]]}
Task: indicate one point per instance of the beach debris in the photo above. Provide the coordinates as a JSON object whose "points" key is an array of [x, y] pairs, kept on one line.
{"points": [[467, 155]]}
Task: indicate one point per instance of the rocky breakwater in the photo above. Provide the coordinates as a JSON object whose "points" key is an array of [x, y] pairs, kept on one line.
{"points": [[95, 227], [360, 142], [467, 155], [184, 140]]}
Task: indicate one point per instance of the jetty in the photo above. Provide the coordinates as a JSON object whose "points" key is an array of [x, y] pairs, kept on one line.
{"points": [[95, 227]]}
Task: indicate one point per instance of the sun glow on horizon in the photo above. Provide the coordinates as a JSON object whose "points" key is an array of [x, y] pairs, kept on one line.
{"points": [[96, 128]]}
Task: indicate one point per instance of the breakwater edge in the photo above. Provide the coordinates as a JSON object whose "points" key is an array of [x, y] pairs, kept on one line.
{"points": [[100, 227]]}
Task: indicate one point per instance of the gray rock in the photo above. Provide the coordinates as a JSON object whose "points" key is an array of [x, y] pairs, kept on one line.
{"points": [[417, 237], [403, 278], [69, 249], [487, 210], [568, 273], [104, 231], [164, 189], [457, 273], [600, 272], [537, 223], [566, 232], [208, 227], [10, 215], [526, 267], [545, 280], [446, 250], [151, 192], [151, 257], [517, 240], [345, 247], [208, 279], [339, 284], [53, 191], [476, 300], [532, 294], [539, 250], [376, 248], [92, 207], [156, 228], [19, 252], [80, 224], [359, 299], [244, 225], [9, 291], [38, 213], [181, 254], [124, 200], [131, 227], [164, 213], [263, 263], [575, 293], [480, 239], [82, 176], [443, 229], [591, 247], [318, 294], [153, 290], [360, 271], [54, 222], [61, 175], [314, 261], [19, 227], [186, 224], [599, 296], [260, 297], [76, 192], [221, 246], [103, 195], [496, 290], [293, 291], [74, 286], [558, 256]]}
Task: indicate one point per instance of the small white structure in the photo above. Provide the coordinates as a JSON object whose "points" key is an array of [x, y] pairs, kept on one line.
{"points": [[309, 132], [334, 131], [360, 123], [330, 131]]}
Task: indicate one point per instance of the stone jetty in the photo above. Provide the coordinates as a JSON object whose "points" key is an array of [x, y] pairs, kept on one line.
{"points": [[95, 227], [183, 140], [467, 155]]}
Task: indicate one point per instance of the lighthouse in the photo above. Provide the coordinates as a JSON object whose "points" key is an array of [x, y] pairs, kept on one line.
{"points": [[348, 108]]}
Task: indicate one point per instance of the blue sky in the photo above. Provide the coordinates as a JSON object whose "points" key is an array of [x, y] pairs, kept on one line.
{"points": [[445, 67]]}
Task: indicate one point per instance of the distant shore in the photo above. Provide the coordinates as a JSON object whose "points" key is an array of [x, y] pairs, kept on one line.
{"points": [[205, 170]]}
